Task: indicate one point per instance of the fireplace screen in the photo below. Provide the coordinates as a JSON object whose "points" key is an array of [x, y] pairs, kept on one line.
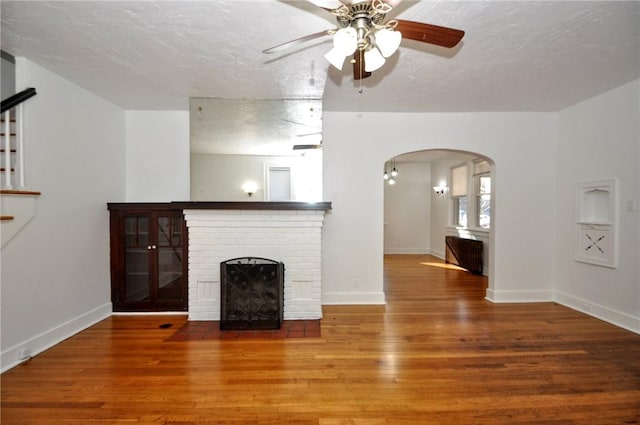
{"points": [[252, 293]]}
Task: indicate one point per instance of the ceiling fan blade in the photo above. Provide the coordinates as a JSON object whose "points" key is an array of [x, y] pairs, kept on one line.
{"points": [[301, 123], [315, 133], [302, 147], [291, 43], [427, 33], [358, 66]]}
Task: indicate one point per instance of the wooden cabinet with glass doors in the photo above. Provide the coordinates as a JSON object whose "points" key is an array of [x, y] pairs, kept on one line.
{"points": [[148, 258]]}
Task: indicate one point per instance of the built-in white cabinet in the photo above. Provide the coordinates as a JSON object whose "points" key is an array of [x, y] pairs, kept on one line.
{"points": [[596, 223]]}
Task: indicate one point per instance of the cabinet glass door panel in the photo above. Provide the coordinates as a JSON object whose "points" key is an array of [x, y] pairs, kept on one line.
{"points": [[170, 261], [136, 257], [176, 231], [169, 273]]}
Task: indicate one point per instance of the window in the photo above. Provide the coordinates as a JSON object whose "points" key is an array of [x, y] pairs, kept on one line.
{"points": [[459, 195], [460, 206], [484, 201], [482, 177]]}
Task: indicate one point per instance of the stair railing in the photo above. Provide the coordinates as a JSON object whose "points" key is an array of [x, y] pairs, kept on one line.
{"points": [[9, 105]]}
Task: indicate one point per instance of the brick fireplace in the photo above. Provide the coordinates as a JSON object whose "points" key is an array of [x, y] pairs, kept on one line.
{"points": [[287, 232]]}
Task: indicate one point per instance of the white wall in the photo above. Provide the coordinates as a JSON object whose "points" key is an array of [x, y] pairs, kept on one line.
{"points": [[600, 139], [439, 218], [522, 146], [221, 177], [55, 272], [407, 210], [157, 156]]}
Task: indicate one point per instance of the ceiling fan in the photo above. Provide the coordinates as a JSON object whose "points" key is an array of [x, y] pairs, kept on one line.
{"points": [[318, 145], [363, 33], [306, 147]]}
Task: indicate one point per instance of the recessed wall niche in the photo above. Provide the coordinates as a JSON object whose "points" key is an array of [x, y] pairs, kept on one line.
{"points": [[596, 223]]}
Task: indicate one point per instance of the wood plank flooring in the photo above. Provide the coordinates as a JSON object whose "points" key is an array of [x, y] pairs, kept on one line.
{"points": [[437, 353]]}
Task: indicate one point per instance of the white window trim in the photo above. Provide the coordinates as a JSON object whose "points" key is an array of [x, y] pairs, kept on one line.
{"points": [[473, 225], [478, 194]]}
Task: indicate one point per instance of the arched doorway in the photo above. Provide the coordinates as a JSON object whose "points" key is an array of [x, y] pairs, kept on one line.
{"points": [[418, 218]]}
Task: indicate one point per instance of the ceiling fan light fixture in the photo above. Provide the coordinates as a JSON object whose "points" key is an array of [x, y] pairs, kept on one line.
{"points": [[362, 27], [373, 60], [388, 41], [336, 58], [345, 43], [346, 40]]}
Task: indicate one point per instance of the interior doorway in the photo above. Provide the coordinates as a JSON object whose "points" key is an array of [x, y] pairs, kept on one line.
{"points": [[421, 209]]}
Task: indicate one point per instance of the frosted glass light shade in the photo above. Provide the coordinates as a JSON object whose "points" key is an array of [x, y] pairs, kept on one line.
{"points": [[373, 60], [388, 41], [335, 58], [345, 42], [249, 187]]}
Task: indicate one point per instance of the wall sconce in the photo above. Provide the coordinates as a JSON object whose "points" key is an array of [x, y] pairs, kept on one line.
{"points": [[440, 189], [249, 188]]}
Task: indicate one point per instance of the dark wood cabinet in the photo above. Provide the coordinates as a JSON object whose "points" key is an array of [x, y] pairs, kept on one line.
{"points": [[149, 258]]}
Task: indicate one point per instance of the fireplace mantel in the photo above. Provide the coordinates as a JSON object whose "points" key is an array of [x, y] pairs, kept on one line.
{"points": [[238, 205], [226, 205]]}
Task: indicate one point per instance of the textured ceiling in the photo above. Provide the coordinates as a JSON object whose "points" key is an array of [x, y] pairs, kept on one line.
{"points": [[516, 55], [155, 55], [224, 126]]}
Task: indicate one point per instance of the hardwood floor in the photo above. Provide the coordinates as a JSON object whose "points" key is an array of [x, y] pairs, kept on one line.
{"points": [[437, 353]]}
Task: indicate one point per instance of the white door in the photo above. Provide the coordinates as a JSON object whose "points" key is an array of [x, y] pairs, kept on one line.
{"points": [[279, 184]]}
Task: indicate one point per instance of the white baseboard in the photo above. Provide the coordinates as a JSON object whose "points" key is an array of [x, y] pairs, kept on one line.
{"points": [[519, 296], [614, 317], [23, 351], [437, 253], [150, 313], [617, 318], [353, 298]]}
